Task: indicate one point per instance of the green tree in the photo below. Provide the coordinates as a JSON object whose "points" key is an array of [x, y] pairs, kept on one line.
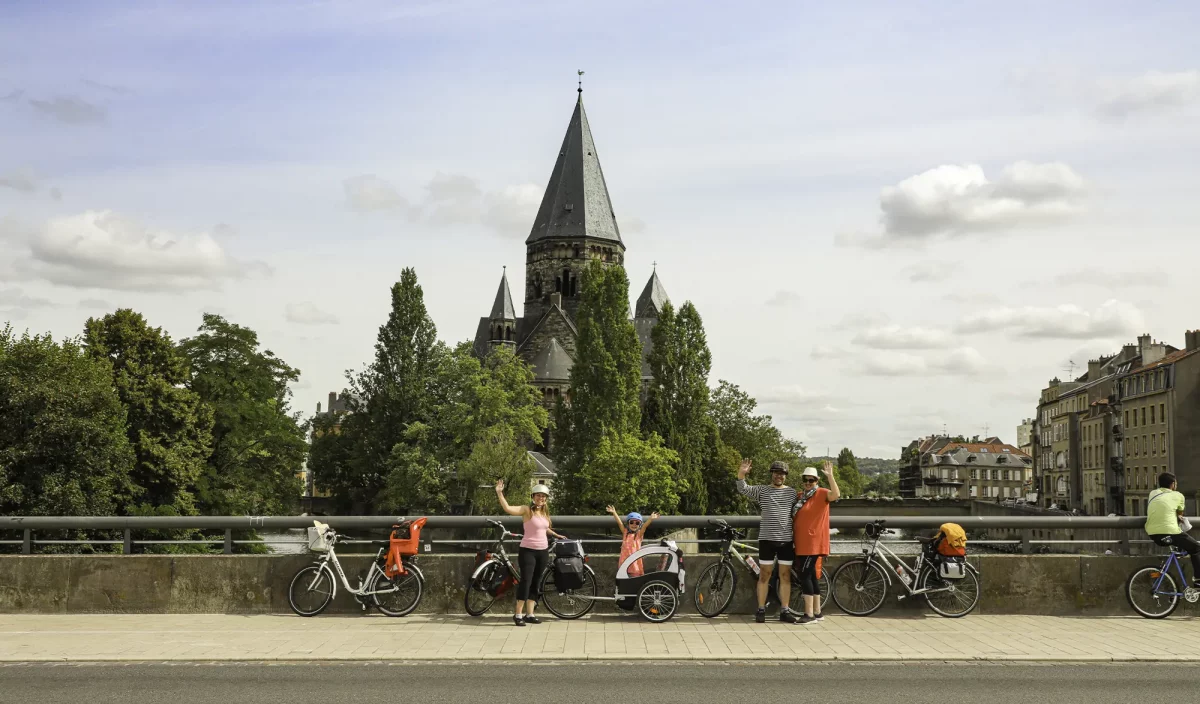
{"points": [[720, 466], [416, 480], [884, 484], [331, 456], [258, 445], [753, 436], [850, 481], [487, 413], [169, 428], [393, 392], [605, 384], [64, 449], [630, 472], [678, 398]]}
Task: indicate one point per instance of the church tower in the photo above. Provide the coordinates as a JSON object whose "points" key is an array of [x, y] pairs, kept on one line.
{"points": [[502, 323], [574, 225]]}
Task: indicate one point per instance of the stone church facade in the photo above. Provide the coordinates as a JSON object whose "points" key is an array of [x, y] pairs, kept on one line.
{"points": [[575, 225]]}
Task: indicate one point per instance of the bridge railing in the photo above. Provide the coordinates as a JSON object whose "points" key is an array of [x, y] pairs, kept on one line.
{"points": [[28, 526]]}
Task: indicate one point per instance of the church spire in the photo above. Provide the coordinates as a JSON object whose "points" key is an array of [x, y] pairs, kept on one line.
{"points": [[503, 308], [576, 202], [654, 297]]}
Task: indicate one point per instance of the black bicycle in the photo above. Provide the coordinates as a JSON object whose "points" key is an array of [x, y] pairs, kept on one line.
{"points": [[718, 582], [496, 574]]}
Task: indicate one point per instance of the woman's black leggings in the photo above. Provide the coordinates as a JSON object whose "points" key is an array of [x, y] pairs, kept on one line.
{"points": [[532, 564], [806, 565]]}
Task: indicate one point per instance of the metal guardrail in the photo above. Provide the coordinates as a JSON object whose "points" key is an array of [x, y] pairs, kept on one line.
{"points": [[27, 525]]}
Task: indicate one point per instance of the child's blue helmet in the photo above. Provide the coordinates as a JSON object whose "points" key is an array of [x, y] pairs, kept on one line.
{"points": [[633, 516]]}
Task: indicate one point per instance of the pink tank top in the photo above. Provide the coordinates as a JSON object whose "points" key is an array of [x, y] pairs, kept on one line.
{"points": [[535, 532]]}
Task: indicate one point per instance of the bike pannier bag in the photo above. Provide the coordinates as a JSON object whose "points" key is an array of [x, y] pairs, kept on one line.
{"points": [[952, 568], [568, 573], [568, 548], [952, 540]]}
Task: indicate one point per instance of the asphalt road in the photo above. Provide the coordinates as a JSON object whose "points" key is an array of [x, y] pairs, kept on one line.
{"points": [[602, 683]]}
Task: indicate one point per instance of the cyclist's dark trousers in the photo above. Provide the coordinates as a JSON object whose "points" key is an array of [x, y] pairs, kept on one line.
{"points": [[807, 567], [532, 564], [1186, 543]]}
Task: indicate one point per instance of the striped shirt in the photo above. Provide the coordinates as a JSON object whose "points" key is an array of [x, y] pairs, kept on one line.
{"points": [[776, 507]]}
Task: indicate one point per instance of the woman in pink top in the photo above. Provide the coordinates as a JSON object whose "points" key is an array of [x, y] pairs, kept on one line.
{"points": [[534, 551], [632, 530]]}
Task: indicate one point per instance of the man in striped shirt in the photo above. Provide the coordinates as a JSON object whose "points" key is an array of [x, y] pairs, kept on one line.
{"points": [[775, 502]]}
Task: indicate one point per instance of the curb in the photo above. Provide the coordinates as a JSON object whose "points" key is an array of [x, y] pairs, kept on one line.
{"points": [[621, 658]]}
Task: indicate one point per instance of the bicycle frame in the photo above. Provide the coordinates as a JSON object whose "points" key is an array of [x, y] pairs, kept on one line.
{"points": [[882, 553], [1172, 559], [330, 556]]}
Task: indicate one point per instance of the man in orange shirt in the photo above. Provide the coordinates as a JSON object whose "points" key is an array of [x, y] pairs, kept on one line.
{"points": [[810, 535]]}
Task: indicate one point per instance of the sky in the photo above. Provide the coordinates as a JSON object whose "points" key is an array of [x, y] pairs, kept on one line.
{"points": [[894, 218]]}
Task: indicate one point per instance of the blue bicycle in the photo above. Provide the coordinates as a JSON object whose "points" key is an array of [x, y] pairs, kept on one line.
{"points": [[1153, 592]]}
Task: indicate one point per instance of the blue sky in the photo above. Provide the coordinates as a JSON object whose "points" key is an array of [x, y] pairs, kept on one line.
{"points": [[892, 216]]}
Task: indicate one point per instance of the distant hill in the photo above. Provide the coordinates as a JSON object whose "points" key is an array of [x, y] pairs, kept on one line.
{"points": [[867, 466]]}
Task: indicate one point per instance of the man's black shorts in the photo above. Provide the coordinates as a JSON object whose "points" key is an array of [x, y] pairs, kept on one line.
{"points": [[770, 551]]}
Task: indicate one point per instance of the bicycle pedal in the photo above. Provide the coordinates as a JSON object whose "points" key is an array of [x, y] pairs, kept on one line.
{"points": [[901, 597]]}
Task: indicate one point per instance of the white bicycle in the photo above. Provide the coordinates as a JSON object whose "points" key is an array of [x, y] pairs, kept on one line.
{"points": [[314, 587]]}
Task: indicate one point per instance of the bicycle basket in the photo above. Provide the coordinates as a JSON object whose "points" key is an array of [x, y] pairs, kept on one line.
{"points": [[318, 539]]}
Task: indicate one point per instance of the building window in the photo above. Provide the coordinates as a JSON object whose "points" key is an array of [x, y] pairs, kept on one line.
{"points": [[1143, 418], [1164, 443], [974, 474], [1152, 421], [1162, 413], [1126, 419]]}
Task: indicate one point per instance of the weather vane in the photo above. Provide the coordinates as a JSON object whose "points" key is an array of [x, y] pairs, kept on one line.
{"points": [[580, 80]]}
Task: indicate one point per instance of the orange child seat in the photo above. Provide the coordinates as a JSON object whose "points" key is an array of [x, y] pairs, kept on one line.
{"points": [[952, 540], [403, 543]]}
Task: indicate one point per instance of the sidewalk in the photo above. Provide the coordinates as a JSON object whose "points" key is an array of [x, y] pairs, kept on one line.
{"points": [[33, 638]]}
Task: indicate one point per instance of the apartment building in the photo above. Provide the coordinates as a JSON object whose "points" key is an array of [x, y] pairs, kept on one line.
{"points": [[941, 466]]}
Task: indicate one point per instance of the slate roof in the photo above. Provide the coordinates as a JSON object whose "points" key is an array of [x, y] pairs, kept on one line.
{"points": [[576, 202], [653, 298], [503, 308], [545, 466], [552, 363]]}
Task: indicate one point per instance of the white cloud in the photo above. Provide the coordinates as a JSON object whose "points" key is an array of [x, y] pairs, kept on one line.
{"points": [[71, 110], [96, 304], [928, 271], [1111, 319], [368, 192], [510, 211], [783, 298], [1150, 92], [961, 361], [1108, 279], [102, 249], [960, 199], [820, 352], [19, 180], [13, 298], [894, 337], [306, 313]]}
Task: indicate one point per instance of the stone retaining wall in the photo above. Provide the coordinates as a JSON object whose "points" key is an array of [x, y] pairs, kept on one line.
{"points": [[1012, 584]]}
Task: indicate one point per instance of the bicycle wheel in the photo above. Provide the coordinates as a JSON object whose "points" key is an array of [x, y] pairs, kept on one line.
{"points": [[954, 598], [822, 585], [478, 599], [1152, 592], [714, 592], [311, 591], [572, 603], [859, 587], [657, 601], [398, 596]]}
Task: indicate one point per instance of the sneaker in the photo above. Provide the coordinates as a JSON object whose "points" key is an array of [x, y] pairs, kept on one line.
{"points": [[533, 619], [518, 621], [805, 620], [787, 616], [760, 616], [819, 618]]}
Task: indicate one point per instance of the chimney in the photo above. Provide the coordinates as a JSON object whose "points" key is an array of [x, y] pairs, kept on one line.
{"points": [[1191, 340], [332, 400], [1150, 350], [556, 300], [318, 408], [1128, 352], [1093, 369]]}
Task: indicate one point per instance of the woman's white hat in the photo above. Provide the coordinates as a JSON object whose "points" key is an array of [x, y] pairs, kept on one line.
{"points": [[540, 489], [810, 472]]}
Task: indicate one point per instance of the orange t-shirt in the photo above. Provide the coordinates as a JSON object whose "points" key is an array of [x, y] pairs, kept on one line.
{"points": [[810, 531]]}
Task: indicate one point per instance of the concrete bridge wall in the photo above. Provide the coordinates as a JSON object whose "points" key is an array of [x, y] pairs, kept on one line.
{"points": [[1012, 584]]}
